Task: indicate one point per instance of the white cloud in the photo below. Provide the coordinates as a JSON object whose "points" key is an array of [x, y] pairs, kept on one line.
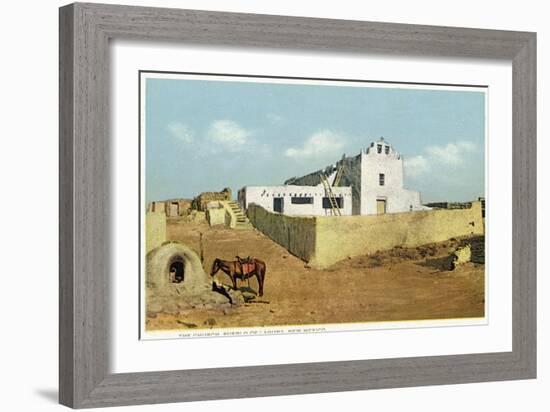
{"points": [[416, 166], [452, 153], [229, 134], [323, 143], [181, 131]]}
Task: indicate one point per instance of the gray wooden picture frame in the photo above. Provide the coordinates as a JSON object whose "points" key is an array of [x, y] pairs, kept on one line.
{"points": [[85, 31]]}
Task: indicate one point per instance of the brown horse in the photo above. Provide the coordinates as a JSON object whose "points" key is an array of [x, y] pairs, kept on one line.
{"points": [[241, 269]]}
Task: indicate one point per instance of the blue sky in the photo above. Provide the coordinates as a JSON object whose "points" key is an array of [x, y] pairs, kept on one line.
{"points": [[204, 135]]}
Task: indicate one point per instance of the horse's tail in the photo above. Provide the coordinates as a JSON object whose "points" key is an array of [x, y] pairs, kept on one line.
{"points": [[261, 269]]}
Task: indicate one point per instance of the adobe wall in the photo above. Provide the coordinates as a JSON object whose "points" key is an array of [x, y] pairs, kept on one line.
{"points": [[351, 176], [155, 230], [215, 216], [322, 241], [295, 233], [201, 201], [183, 208], [346, 236], [264, 195], [230, 217]]}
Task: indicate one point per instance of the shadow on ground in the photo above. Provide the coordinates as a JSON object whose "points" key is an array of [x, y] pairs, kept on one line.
{"points": [[51, 395], [441, 264]]}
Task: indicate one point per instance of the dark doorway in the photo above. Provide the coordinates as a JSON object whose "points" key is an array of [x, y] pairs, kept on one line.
{"points": [[174, 209], [278, 205], [381, 206], [177, 271]]}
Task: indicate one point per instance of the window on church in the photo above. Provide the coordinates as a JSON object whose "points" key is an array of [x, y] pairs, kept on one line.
{"points": [[379, 148], [387, 149], [327, 204], [381, 179], [301, 200]]}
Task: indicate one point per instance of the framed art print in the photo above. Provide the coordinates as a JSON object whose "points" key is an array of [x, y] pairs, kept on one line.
{"points": [[304, 205], [274, 252]]}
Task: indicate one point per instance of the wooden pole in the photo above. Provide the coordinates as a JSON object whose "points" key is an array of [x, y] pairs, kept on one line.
{"points": [[201, 248]]}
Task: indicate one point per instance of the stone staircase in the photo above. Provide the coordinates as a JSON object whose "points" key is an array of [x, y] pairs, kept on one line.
{"points": [[241, 221]]}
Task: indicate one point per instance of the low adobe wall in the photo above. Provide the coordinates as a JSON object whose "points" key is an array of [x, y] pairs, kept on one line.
{"points": [[201, 201], [295, 233], [322, 241], [346, 236], [215, 216], [155, 230], [230, 216]]}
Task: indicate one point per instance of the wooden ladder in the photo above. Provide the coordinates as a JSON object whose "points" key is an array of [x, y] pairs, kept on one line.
{"points": [[330, 194], [338, 177]]}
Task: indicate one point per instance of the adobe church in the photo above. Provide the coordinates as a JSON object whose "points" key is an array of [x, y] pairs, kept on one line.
{"points": [[366, 184]]}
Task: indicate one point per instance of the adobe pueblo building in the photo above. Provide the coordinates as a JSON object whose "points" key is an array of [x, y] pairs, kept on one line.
{"points": [[367, 184], [296, 200]]}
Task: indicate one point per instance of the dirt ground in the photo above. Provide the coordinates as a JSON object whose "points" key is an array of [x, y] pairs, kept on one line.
{"points": [[401, 284]]}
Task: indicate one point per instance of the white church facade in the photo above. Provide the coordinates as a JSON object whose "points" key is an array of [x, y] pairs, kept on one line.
{"points": [[366, 184], [294, 200]]}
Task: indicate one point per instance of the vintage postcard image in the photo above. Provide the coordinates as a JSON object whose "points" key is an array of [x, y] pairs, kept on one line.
{"points": [[291, 205]]}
